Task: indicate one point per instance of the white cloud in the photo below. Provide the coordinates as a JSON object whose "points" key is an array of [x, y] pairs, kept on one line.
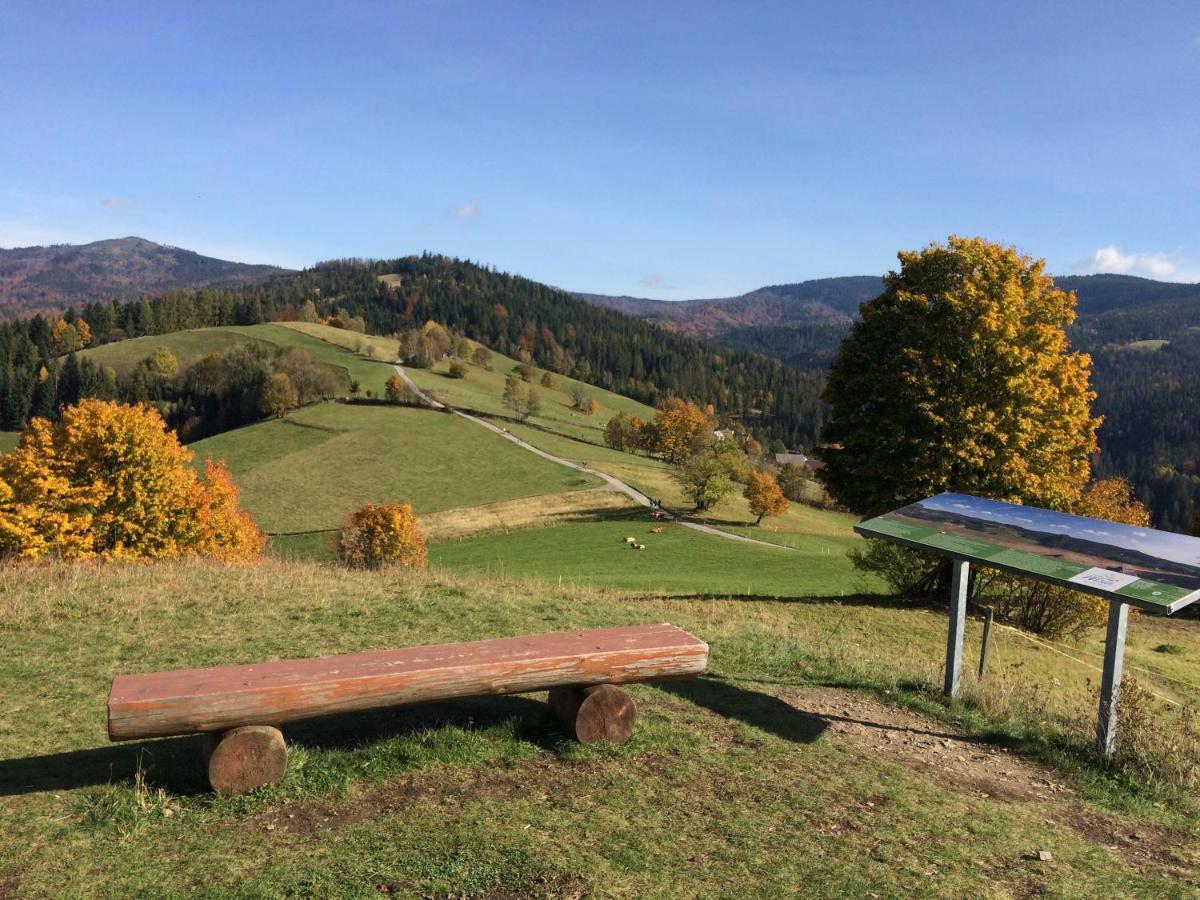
{"points": [[118, 203], [1162, 266], [466, 211], [655, 282]]}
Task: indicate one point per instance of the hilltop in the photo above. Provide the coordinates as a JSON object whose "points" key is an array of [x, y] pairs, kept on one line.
{"points": [[45, 279]]}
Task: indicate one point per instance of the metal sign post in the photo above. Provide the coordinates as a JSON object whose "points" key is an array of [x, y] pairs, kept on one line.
{"points": [[960, 572], [1156, 571], [1110, 685]]}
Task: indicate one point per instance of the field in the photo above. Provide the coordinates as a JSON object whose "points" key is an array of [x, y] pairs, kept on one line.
{"points": [[8, 440], [483, 390], [306, 471], [679, 561], [814, 753], [321, 342]]}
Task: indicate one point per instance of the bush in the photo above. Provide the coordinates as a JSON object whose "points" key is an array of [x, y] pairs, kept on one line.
{"points": [[550, 381], [110, 481], [623, 432], [380, 535], [457, 370]]}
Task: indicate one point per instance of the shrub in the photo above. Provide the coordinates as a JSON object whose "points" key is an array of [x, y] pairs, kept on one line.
{"points": [[395, 389], [277, 395], [457, 370], [380, 535], [550, 381], [482, 357], [623, 432], [110, 481]]}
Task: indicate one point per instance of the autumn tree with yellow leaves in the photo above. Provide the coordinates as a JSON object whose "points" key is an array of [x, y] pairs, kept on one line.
{"points": [[110, 481], [764, 495], [679, 430], [382, 534], [960, 377]]}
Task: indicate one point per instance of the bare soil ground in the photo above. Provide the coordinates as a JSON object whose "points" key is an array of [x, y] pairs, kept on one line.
{"points": [[962, 764]]}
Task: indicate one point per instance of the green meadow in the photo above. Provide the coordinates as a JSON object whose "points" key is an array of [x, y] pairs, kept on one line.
{"points": [[814, 756], [677, 561], [306, 471]]}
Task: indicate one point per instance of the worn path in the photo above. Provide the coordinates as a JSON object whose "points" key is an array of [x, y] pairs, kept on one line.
{"points": [[613, 482]]}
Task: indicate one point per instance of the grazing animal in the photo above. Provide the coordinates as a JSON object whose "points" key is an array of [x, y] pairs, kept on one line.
{"points": [[630, 540], [656, 531]]}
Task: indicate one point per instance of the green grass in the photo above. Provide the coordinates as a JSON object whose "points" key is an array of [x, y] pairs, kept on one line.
{"points": [[307, 471], [190, 346], [679, 561], [727, 788], [483, 390], [8, 440], [1149, 346]]}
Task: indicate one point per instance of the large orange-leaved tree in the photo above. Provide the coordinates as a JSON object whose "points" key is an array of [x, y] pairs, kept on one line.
{"points": [[111, 481]]}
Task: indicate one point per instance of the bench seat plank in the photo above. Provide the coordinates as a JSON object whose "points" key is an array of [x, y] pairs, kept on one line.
{"points": [[198, 700]]}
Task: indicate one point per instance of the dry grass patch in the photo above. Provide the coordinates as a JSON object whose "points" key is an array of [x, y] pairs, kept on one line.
{"points": [[552, 509]]}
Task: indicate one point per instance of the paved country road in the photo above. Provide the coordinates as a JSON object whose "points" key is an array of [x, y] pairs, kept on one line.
{"points": [[614, 483]]}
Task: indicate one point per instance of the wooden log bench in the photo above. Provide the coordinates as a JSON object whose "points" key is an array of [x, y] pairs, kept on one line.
{"points": [[240, 707]]}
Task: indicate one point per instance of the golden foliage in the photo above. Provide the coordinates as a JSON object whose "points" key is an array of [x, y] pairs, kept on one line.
{"points": [[383, 534], [960, 377], [678, 429], [110, 481], [764, 494], [624, 432], [394, 388]]}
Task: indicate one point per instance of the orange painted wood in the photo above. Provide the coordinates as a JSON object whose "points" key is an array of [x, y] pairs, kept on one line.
{"points": [[197, 700]]}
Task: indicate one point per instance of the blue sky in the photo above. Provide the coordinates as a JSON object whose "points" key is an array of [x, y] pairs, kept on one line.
{"points": [[658, 149]]}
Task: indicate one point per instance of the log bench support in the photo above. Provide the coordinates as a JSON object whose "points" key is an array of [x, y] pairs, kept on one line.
{"points": [[600, 714], [239, 708], [242, 759]]}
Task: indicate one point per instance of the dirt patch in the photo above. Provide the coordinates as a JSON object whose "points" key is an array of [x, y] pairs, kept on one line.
{"points": [[925, 746], [1149, 849], [539, 778], [10, 885], [960, 763]]}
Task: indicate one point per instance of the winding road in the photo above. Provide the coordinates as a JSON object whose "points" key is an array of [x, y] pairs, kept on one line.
{"points": [[613, 482]]}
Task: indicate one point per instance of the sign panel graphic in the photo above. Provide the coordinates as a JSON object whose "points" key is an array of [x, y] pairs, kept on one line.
{"points": [[1155, 570]]}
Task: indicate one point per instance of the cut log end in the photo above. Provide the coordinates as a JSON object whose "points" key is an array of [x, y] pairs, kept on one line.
{"points": [[242, 759], [598, 714]]}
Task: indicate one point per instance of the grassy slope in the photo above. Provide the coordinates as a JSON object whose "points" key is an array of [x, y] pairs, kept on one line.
{"points": [[305, 472], [483, 390], [8, 440], [725, 790], [189, 346]]}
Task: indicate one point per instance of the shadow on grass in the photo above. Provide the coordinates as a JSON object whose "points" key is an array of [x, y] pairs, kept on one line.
{"points": [[763, 711], [880, 601], [176, 764]]}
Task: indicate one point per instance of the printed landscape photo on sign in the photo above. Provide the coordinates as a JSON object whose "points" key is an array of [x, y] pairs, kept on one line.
{"points": [[1155, 570]]}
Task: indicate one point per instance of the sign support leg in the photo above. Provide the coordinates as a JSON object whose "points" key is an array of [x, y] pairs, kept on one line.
{"points": [[960, 571], [1110, 686]]}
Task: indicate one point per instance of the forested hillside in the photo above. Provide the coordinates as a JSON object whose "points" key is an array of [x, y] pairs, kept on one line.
{"points": [[513, 315], [1143, 335], [50, 279]]}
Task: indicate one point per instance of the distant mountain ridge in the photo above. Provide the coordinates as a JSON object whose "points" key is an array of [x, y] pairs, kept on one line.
{"points": [[803, 323], [49, 279]]}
